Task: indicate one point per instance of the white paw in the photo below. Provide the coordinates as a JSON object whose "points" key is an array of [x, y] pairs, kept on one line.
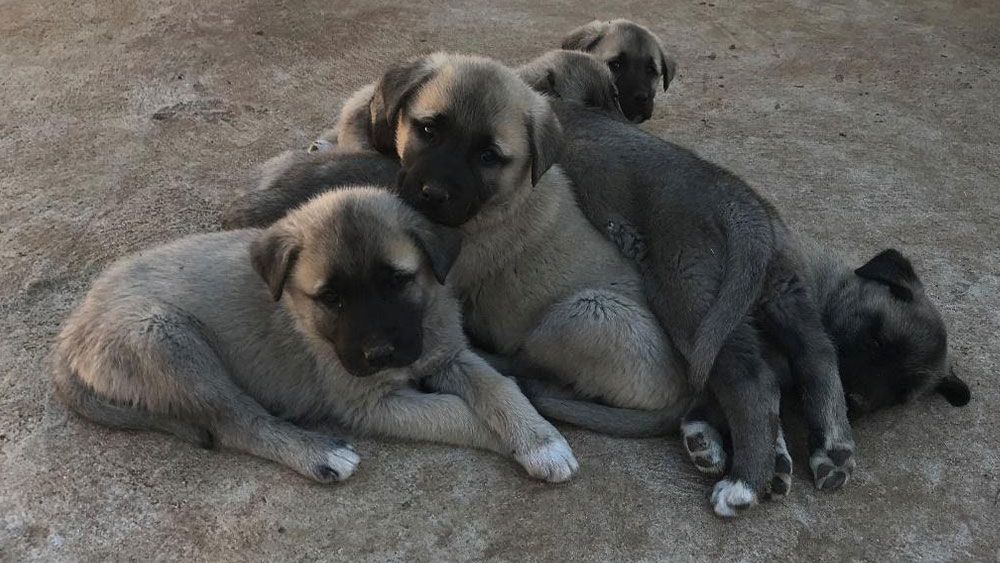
{"points": [[832, 466], [341, 462], [552, 461], [704, 446], [319, 145], [728, 497]]}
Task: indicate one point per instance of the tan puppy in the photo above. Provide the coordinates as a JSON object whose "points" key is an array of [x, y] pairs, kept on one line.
{"points": [[335, 312], [539, 283], [635, 57]]}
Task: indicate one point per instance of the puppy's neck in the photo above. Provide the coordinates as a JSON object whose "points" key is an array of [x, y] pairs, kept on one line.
{"points": [[505, 229]]}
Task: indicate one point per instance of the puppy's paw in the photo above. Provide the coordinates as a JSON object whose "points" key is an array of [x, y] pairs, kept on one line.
{"points": [[832, 466], [627, 238], [731, 497], [320, 145], [781, 483], [336, 463], [552, 461], [704, 446]]}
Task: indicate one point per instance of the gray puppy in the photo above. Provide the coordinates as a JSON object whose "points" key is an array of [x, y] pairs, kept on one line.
{"points": [[567, 75], [635, 57], [335, 312]]}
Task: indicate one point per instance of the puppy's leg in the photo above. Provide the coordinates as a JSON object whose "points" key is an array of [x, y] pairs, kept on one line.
{"points": [[748, 393], [433, 417], [609, 348], [500, 405], [791, 320], [158, 362]]}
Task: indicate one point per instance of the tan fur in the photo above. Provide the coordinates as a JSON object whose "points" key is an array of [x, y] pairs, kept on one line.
{"points": [[187, 339], [539, 282]]}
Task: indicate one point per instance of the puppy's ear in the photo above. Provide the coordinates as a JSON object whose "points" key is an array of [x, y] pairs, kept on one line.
{"points": [[440, 245], [273, 253], [398, 84], [545, 139], [585, 37], [954, 390], [893, 269], [669, 68]]}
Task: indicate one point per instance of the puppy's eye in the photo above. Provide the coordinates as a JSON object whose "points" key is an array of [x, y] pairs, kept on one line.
{"points": [[489, 157], [331, 299], [401, 279], [651, 69], [615, 65], [427, 131]]}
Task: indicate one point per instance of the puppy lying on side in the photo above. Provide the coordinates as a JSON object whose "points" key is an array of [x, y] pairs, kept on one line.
{"points": [[571, 76], [335, 312], [635, 57]]}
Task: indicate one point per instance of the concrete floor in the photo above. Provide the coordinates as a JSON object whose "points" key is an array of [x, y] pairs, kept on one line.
{"points": [[871, 123]]}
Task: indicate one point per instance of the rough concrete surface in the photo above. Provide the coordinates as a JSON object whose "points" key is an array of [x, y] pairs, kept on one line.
{"points": [[123, 124]]}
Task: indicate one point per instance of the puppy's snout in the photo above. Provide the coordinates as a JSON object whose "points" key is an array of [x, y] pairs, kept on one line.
{"points": [[642, 97], [434, 193], [378, 354]]}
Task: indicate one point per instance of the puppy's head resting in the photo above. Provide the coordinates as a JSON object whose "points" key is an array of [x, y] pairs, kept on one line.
{"points": [[359, 271], [469, 134], [573, 76], [635, 57], [891, 341]]}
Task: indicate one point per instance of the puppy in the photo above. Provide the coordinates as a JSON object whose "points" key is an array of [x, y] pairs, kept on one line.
{"points": [[538, 283], [635, 57], [335, 312], [568, 75], [574, 77]]}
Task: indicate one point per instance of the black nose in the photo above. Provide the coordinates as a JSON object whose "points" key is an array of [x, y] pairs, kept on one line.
{"points": [[378, 355], [642, 97], [434, 194]]}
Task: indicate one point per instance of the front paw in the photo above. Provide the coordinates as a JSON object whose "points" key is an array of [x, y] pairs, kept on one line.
{"points": [[731, 497], [832, 466], [551, 461]]}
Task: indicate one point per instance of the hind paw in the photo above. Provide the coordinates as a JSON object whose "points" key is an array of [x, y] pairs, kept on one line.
{"points": [[704, 446]]}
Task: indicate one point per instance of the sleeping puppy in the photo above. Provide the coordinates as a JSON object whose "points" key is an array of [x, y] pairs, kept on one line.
{"points": [[335, 312], [571, 76], [635, 57]]}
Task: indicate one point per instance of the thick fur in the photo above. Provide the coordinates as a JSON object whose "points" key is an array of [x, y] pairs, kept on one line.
{"points": [[235, 338], [573, 76], [538, 282], [634, 55]]}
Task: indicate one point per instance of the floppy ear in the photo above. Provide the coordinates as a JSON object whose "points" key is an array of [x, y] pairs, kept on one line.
{"points": [[954, 390], [545, 139], [669, 68], [273, 254], [440, 245], [383, 131], [398, 84], [893, 269], [585, 37]]}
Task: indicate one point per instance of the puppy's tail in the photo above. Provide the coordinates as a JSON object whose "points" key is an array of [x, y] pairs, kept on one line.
{"points": [[626, 423], [749, 248]]}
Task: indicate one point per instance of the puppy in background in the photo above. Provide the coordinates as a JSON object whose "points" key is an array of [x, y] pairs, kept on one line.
{"points": [[338, 311], [634, 55]]}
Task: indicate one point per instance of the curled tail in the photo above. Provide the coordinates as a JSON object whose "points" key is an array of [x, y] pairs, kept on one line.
{"points": [[626, 423], [749, 248]]}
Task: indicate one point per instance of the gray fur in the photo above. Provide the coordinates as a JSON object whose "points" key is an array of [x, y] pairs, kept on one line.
{"points": [[189, 339], [573, 76]]}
